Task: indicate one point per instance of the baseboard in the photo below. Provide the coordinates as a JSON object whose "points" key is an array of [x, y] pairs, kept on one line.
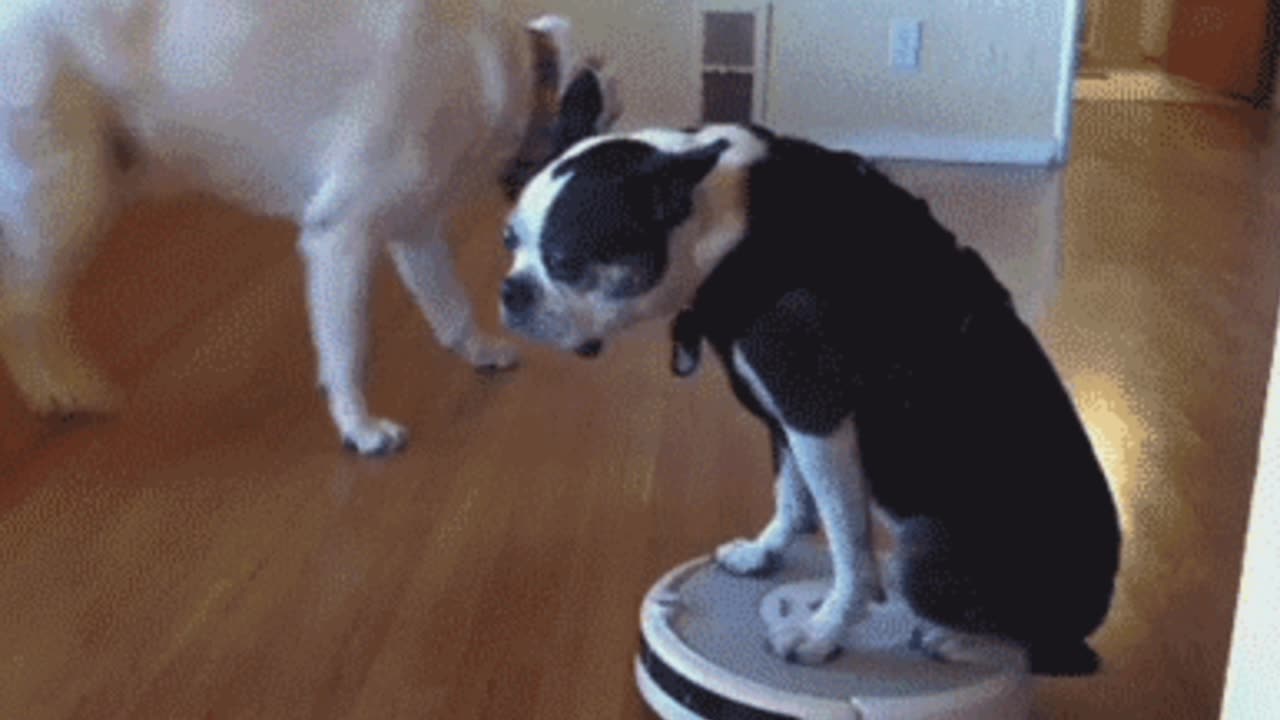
{"points": [[909, 146], [950, 150]]}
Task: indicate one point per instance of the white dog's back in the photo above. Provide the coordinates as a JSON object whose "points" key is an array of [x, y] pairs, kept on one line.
{"points": [[365, 121], [261, 101]]}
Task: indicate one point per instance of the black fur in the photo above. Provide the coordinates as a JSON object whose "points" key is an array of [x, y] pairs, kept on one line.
{"points": [[848, 298]]}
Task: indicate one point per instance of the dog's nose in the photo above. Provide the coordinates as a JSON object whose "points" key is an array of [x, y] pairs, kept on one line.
{"points": [[517, 294]]}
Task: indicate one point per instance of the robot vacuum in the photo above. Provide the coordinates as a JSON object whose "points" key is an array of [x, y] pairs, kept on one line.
{"points": [[704, 655]]}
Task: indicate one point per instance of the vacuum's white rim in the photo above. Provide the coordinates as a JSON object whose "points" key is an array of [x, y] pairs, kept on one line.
{"points": [[703, 673], [1007, 695], [1003, 697]]}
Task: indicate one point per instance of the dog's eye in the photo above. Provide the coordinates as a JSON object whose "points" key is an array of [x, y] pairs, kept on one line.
{"points": [[510, 239], [562, 267], [633, 275]]}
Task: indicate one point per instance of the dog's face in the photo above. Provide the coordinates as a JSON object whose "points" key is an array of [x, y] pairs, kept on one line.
{"points": [[621, 229]]}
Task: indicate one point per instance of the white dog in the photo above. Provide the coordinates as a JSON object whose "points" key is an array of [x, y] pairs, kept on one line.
{"points": [[363, 120]]}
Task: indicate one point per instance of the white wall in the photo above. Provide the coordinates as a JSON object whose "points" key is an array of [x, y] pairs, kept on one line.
{"points": [[649, 44], [993, 84], [1253, 692], [989, 88]]}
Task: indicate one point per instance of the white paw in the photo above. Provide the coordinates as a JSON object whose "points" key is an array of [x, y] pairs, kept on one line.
{"points": [[487, 352], [812, 642], [745, 557], [816, 638], [375, 437], [946, 645], [64, 388]]}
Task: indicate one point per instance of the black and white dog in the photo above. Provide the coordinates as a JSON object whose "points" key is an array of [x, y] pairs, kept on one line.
{"points": [[368, 122], [886, 360]]}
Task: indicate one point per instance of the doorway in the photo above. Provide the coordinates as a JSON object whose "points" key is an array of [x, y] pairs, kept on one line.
{"points": [[1188, 51]]}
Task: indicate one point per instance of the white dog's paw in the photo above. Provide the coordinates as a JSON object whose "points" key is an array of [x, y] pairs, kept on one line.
{"points": [[946, 645], [746, 557], [64, 388], [375, 437], [487, 352]]}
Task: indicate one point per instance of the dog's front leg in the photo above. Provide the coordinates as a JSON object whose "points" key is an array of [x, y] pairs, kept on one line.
{"points": [[832, 470], [339, 260], [795, 515], [425, 266]]}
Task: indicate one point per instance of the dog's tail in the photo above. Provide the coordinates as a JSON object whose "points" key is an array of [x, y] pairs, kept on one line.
{"points": [[1063, 659], [571, 101]]}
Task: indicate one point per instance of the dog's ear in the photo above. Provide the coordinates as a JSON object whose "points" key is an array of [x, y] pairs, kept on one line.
{"points": [[588, 107], [670, 179], [686, 344]]}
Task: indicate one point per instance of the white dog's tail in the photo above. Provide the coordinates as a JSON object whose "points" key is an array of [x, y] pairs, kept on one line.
{"points": [[551, 40], [571, 101]]}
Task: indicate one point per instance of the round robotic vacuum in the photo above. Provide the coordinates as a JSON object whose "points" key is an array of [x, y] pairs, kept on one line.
{"points": [[704, 655]]}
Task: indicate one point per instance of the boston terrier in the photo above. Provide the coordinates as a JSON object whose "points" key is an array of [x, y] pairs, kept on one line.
{"points": [[886, 359]]}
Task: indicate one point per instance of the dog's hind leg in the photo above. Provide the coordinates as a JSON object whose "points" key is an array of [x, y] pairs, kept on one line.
{"points": [[978, 593], [939, 579], [953, 646], [795, 515], [339, 262], [426, 267], [57, 201]]}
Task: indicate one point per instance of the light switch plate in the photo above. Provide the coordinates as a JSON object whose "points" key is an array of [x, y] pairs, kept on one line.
{"points": [[905, 37]]}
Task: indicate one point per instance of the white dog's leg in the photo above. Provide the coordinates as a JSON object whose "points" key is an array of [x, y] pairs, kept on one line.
{"points": [[65, 174], [426, 268], [35, 332], [339, 261], [795, 515], [832, 471]]}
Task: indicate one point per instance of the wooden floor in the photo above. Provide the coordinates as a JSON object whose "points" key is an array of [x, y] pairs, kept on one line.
{"points": [[212, 552]]}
